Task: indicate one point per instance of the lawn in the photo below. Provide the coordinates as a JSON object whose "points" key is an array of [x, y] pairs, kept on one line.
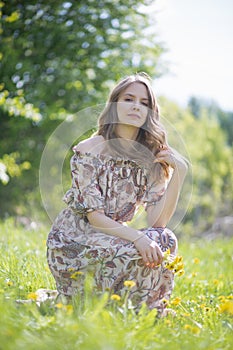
{"points": [[202, 300]]}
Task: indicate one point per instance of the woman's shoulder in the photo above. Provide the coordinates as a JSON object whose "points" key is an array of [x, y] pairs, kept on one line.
{"points": [[93, 145]]}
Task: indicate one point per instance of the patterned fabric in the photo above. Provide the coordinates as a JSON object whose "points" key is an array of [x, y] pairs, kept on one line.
{"points": [[116, 187]]}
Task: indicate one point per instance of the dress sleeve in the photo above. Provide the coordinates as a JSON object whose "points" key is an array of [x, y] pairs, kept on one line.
{"points": [[154, 193], [85, 194]]}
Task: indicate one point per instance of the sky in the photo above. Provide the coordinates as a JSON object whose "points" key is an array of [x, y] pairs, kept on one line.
{"points": [[199, 38]]}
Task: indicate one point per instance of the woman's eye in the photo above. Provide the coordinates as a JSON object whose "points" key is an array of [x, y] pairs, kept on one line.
{"points": [[128, 99], [145, 104]]}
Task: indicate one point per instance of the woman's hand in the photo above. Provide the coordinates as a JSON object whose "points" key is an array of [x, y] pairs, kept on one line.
{"points": [[172, 158], [149, 250]]}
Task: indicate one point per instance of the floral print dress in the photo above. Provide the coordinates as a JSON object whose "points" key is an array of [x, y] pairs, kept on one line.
{"points": [[117, 187]]}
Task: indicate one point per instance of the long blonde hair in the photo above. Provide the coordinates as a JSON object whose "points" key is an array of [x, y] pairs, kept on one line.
{"points": [[151, 136]]}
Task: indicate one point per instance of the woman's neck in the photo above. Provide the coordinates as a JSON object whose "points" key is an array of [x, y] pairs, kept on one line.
{"points": [[127, 132]]}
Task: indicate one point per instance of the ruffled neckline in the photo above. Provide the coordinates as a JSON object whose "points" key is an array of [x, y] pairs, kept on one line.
{"points": [[108, 158]]}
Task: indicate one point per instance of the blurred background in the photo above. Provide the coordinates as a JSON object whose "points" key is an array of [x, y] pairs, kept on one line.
{"points": [[60, 57]]}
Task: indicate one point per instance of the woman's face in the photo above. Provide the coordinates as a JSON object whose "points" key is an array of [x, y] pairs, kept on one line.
{"points": [[132, 105]]}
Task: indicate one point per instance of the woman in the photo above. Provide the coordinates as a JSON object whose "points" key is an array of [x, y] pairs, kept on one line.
{"points": [[127, 163]]}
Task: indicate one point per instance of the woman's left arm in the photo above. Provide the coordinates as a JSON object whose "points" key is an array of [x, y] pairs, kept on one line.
{"points": [[159, 215]]}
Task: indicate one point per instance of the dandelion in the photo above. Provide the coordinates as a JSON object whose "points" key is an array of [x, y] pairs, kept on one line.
{"points": [[9, 283], [196, 261], [59, 305], [170, 266], [176, 301], [67, 308], [180, 273], [187, 326], [115, 297], [167, 254], [178, 259], [222, 298], [32, 296], [174, 264], [129, 284], [168, 322], [226, 307], [194, 330]]}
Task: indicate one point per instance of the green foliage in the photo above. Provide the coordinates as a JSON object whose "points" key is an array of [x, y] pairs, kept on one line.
{"points": [[211, 164], [199, 106], [66, 54], [202, 300], [57, 58]]}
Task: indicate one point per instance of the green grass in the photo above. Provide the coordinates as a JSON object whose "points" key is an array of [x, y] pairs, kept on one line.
{"points": [[199, 299]]}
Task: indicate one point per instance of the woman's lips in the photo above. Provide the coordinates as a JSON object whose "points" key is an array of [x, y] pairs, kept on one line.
{"points": [[134, 115]]}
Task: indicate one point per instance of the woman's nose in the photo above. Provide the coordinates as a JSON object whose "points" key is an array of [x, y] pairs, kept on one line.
{"points": [[136, 106]]}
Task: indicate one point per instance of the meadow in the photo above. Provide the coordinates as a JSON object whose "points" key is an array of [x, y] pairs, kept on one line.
{"points": [[202, 300]]}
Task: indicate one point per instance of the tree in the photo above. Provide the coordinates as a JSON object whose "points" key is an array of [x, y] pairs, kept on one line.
{"points": [[65, 54], [199, 106], [211, 162], [59, 57]]}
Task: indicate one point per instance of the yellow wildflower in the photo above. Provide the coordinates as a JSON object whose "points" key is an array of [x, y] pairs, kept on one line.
{"points": [[166, 254], [226, 306], [178, 267], [176, 301], [196, 261], [168, 322], [170, 266], [195, 330], [9, 283], [115, 297], [178, 259], [59, 305], [222, 298], [32, 296], [187, 326], [180, 273], [69, 309], [129, 284], [174, 263]]}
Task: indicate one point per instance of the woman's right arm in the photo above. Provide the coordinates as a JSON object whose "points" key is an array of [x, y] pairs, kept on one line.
{"points": [[149, 250]]}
